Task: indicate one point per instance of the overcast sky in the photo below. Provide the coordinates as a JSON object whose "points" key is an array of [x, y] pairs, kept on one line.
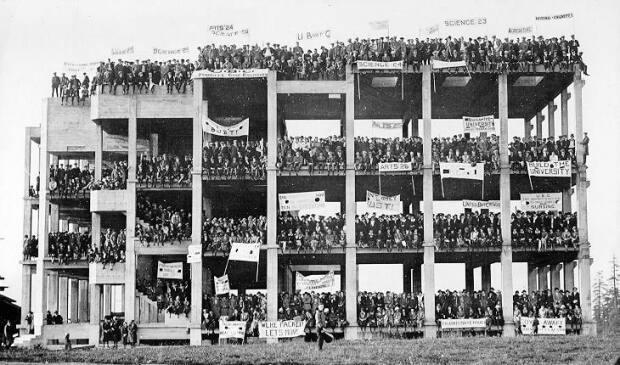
{"points": [[36, 37]]}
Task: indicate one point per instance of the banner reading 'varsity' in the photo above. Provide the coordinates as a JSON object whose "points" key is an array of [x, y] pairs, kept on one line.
{"points": [[323, 284], [281, 329], [240, 129], [479, 124], [298, 201]]}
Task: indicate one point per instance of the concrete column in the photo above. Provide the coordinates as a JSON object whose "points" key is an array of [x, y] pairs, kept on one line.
{"points": [[96, 229], [430, 327], [130, 250], [583, 259], [405, 127], [272, 247], [485, 274], [99, 151], [532, 277], [40, 281], [407, 266], [27, 163], [564, 97], [83, 301], [26, 289], [569, 275], [207, 207], [417, 278], [527, 128], [196, 268], [567, 202], [351, 248], [540, 118], [52, 291], [543, 281], [107, 299], [551, 108], [94, 294], [469, 277], [504, 197], [415, 127], [289, 279], [74, 287], [63, 297], [555, 276], [154, 137]]}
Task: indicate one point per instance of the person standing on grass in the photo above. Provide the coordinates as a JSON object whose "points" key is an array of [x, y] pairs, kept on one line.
{"points": [[320, 318]]}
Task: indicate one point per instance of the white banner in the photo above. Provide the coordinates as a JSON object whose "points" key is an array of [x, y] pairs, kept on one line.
{"points": [[429, 31], [170, 52], [479, 124], [323, 284], [232, 329], [231, 74], [382, 202], [324, 34], [281, 329], [228, 30], [493, 205], [387, 124], [222, 285], [172, 270], [466, 22], [521, 30], [377, 65], [122, 51], [546, 326], [457, 170], [194, 254], [560, 168], [445, 64], [240, 129], [80, 68], [463, 323], [555, 17], [298, 201], [244, 252], [536, 202], [395, 166]]}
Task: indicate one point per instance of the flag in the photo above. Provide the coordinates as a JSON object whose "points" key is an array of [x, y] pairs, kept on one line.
{"points": [[457, 170]]}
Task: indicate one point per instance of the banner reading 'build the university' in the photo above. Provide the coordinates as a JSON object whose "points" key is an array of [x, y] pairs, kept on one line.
{"points": [[479, 124], [561, 168]]}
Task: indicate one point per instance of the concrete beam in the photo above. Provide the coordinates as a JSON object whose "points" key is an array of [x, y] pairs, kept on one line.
{"points": [[315, 87]]}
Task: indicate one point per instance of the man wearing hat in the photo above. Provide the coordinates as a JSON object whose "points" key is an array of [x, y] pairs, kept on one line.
{"points": [[55, 84], [320, 317]]}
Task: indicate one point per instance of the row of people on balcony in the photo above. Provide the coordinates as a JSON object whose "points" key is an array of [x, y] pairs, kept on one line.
{"points": [[65, 247], [159, 222], [111, 248], [310, 233], [218, 234], [548, 303], [172, 296], [236, 159], [165, 169]]}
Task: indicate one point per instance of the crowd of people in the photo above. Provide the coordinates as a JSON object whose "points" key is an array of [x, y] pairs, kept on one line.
{"points": [[115, 330], [68, 246], [389, 231], [67, 181], [544, 230], [31, 247], [164, 169], [172, 296], [556, 303], [467, 230], [65, 247], [236, 159], [526, 150], [387, 311], [71, 88], [218, 234], [465, 304], [318, 155], [159, 222], [310, 233], [111, 248], [112, 178]]}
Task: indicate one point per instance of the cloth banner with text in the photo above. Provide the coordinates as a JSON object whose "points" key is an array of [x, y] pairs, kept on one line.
{"points": [[521, 30], [244, 252], [171, 270], [232, 329], [479, 124], [382, 202], [546, 326], [323, 284], [387, 124], [437, 65], [395, 166], [378, 65], [194, 254], [561, 168], [123, 51], [183, 51], [458, 170], [236, 130], [234, 73], [228, 31], [492, 205], [323, 34], [298, 201], [281, 329], [222, 285], [463, 323], [90, 68], [537, 202]]}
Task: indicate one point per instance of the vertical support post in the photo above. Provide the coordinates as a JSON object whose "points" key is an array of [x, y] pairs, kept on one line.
{"points": [[107, 299], [74, 287], [63, 297], [407, 276], [551, 108], [417, 278], [543, 282], [54, 217], [504, 197], [94, 294], [583, 259], [564, 98], [485, 274], [415, 127], [555, 276], [26, 292], [527, 128], [96, 229], [567, 201], [569, 275], [540, 118], [154, 137], [430, 327], [52, 291], [196, 267], [83, 301], [272, 190], [351, 247], [532, 277], [27, 163], [405, 127], [469, 277], [40, 281], [130, 260], [99, 151]]}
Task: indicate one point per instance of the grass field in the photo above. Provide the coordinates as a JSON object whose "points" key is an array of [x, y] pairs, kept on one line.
{"points": [[549, 350]]}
